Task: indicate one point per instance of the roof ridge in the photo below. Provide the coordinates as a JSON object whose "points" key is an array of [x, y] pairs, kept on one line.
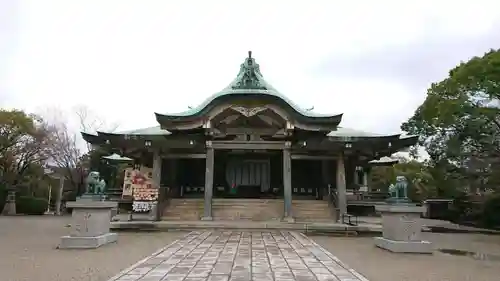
{"points": [[250, 81]]}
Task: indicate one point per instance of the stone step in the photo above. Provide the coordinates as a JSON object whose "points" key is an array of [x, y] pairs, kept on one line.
{"points": [[183, 209], [247, 209], [312, 211]]}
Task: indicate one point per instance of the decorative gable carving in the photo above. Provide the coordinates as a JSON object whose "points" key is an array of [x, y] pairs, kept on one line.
{"points": [[248, 112], [248, 123]]}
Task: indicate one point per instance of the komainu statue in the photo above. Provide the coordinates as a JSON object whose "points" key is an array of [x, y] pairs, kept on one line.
{"points": [[94, 184], [399, 191]]}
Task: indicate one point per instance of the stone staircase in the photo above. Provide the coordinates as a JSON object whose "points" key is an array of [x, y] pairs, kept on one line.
{"points": [[181, 209], [247, 209], [312, 211], [225, 209]]}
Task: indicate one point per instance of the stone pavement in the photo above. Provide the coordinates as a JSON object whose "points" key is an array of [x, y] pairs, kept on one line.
{"points": [[241, 256]]}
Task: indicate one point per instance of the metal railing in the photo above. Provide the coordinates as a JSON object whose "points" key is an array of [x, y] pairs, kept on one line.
{"points": [[349, 219]]}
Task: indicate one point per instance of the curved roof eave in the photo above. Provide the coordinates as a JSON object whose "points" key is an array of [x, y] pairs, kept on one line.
{"points": [[347, 133], [149, 131], [91, 138], [154, 130], [84, 134], [386, 160], [196, 110], [408, 140], [106, 134]]}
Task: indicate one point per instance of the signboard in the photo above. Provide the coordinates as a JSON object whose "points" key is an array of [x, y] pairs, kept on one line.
{"points": [[139, 184]]}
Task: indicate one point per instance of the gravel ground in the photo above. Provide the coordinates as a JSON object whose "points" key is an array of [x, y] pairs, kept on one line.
{"points": [[28, 251], [379, 265]]}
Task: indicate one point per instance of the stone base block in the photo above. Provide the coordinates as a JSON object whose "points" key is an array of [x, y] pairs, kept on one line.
{"points": [[71, 242], [288, 219], [206, 218], [415, 247]]}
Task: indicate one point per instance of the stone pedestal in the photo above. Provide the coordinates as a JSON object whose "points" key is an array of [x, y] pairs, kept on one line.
{"points": [[9, 208], [288, 219], [90, 225], [402, 228]]}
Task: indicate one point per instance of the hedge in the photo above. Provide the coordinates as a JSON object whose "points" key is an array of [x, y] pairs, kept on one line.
{"points": [[491, 212], [3, 197], [30, 205]]}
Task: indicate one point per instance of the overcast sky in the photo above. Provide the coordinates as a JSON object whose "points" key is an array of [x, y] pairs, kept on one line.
{"points": [[371, 60]]}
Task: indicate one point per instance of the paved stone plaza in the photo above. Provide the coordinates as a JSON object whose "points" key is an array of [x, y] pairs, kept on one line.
{"points": [[28, 253], [231, 255]]}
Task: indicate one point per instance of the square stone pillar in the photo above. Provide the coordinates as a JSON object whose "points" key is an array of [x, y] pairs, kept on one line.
{"points": [[209, 182], [401, 229], [341, 186], [90, 225], [287, 183], [157, 163]]}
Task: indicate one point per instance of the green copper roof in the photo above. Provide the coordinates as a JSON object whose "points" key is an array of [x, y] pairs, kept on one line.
{"points": [[156, 130], [249, 81], [340, 132], [346, 132], [384, 160]]}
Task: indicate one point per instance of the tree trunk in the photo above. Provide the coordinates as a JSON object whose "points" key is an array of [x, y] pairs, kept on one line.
{"points": [[9, 209]]}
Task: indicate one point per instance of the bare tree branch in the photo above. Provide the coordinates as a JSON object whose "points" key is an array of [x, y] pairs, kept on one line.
{"points": [[90, 123]]}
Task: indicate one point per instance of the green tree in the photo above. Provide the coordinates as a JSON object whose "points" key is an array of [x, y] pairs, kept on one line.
{"points": [[24, 146], [422, 184], [459, 123]]}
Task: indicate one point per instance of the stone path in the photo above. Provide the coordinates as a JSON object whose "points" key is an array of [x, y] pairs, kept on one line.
{"points": [[241, 256]]}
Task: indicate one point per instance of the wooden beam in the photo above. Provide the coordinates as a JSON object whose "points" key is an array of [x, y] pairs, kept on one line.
{"points": [[313, 157], [249, 145], [191, 156]]}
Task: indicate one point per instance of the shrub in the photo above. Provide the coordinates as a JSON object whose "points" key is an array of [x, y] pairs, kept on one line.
{"points": [[30, 205], [3, 196], [461, 209], [491, 212]]}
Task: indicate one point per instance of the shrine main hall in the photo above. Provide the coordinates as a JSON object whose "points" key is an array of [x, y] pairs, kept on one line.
{"points": [[249, 143]]}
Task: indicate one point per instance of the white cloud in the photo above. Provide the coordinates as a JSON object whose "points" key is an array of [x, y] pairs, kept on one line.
{"points": [[128, 59]]}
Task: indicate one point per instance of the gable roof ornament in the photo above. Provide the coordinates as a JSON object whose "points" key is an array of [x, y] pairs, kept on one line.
{"points": [[249, 75]]}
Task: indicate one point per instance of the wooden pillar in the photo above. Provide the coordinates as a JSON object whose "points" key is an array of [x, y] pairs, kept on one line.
{"points": [[209, 182], [157, 168], [157, 162], [355, 175], [324, 172], [287, 183], [324, 179], [173, 177], [341, 186], [365, 177]]}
